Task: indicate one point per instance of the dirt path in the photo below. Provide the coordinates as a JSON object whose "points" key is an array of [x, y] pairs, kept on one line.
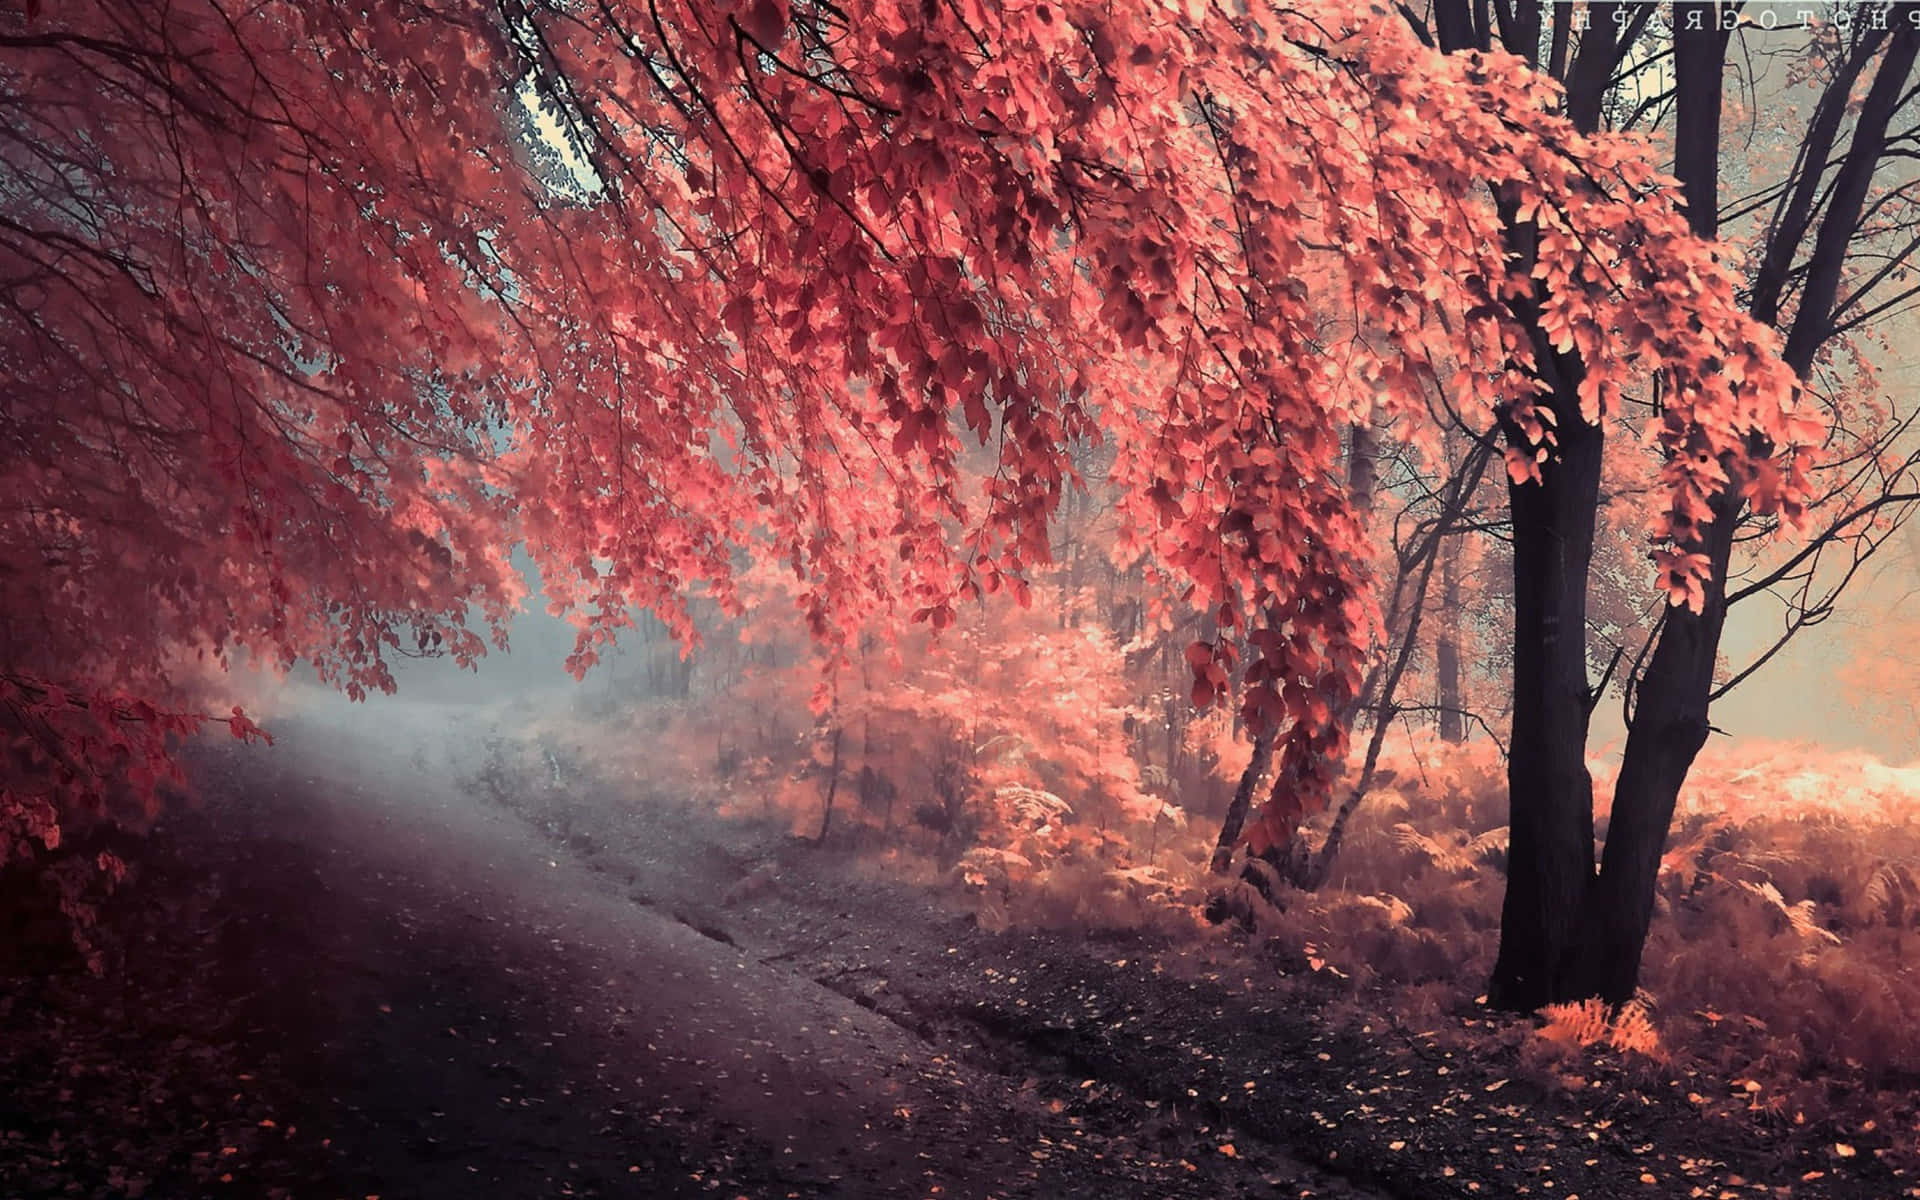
{"points": [[441, 1003], [458, 965]]}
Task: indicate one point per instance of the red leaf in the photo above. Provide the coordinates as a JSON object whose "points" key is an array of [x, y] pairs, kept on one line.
{"points": [[766, 22]]}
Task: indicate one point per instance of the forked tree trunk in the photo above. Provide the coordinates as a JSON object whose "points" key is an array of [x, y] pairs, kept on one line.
{"points": [[1551, 857], [1669, 726], [1552, 888]]}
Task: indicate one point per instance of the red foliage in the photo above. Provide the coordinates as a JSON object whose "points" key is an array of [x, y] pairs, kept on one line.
{"points": [[322, 325]]}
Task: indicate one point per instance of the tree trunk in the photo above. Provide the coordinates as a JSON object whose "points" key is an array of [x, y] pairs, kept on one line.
{"points": [[1172, 731], [1446, 648], [1236, 818], [1362, 478], [1667, 729], [1321, 868], [1383, 685], [1551, 857], [1669, 724], [833, 786], [1551, 793]]}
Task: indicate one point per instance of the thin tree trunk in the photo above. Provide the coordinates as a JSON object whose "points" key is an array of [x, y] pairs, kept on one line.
{"points": [[833, 786], [1446, 648], [1362, 480], [1236, 818], [1172, 731], [1382, 687], [1322, 867]]}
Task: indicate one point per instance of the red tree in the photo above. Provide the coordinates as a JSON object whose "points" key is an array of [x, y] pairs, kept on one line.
{"points": [[315, 310]]}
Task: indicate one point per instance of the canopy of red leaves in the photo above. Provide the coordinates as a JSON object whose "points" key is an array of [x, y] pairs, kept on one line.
{"points": [[316, 310]]}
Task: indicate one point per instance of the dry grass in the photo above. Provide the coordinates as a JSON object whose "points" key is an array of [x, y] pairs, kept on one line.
{"points": [[1780, 963], [1781, 957]]}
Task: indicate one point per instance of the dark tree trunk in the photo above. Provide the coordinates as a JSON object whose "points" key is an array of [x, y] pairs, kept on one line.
{"points": [[1669, 726], [1551, 794], [1698, 52], [1552, 887], [833, 786], [1446, 648], [1236, 818], [1667, 730], [1670, 723], [1550, 863]]}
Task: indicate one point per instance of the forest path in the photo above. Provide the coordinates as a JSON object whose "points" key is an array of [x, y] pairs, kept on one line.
{"points": [[462, 1008]]}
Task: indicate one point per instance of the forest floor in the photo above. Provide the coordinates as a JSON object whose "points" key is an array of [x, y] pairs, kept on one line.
{"points": [[346, 973]]}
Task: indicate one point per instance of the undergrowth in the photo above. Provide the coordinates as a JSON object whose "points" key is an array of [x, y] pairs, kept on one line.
{"points": [[1777, 982]]}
